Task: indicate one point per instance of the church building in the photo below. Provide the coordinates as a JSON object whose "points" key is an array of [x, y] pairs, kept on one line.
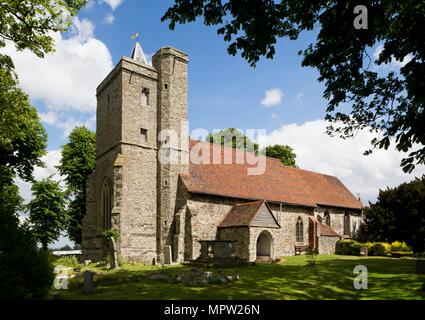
{"points": [[185, 210]]}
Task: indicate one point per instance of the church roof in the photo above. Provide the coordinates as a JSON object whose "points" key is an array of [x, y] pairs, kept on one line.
{"points": [[278, 183], [244, 214], [138, 54]]}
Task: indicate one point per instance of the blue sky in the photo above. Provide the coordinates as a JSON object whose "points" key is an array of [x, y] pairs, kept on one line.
{"points": [[224, 91], [219, 84]]}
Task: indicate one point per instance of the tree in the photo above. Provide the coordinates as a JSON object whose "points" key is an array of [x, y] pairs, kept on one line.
{"points": [[282, 152], [25, 272], [398, 215], [23, 139], [391, 104], [47, 215], [234, 138], [28, 23], [77, 163]]}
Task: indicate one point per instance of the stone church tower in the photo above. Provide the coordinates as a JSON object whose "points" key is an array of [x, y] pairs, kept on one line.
{"points": [[130, 190]]}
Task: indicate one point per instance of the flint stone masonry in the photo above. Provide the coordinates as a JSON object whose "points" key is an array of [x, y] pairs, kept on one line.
{"points": [[157, 219]]}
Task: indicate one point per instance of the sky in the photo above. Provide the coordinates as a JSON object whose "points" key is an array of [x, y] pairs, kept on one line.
{"points": [[277, 95]]}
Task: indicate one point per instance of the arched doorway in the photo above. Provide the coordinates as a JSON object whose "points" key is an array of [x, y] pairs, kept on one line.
{"points": [[264, 246]]}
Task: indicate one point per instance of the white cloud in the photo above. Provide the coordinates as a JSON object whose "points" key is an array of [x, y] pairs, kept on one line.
{"points": [[66, 79], [65, 122], [109, 19], [272, 97], [363, 175], [394, 64], [113, 3]]}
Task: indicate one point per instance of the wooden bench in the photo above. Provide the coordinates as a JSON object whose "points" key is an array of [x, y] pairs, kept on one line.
{"points": [[299, 249]]}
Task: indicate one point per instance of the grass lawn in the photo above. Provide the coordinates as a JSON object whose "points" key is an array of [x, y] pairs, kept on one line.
{"points": [[331, 278]]}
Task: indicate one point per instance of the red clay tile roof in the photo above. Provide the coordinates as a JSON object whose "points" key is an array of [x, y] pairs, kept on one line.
{"points": [[327, 231], [278, 183], [241, 214]]}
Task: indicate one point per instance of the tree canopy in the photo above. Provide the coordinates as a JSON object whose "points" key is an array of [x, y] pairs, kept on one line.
{"points": [[77, 163], [399, 215], [233, 138], [23, 139], [27, 23], [282, 152], [47, 215], [391, 104]]}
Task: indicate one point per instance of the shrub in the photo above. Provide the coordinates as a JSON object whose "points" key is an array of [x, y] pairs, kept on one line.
{"points": [[398, 246], [348, 247], [380, 249], [25, 271]]}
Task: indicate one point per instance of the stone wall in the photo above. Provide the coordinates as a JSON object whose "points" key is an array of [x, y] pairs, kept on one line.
{"points": [[203, 216], [239, 234], [171, 65], [327, 244]]}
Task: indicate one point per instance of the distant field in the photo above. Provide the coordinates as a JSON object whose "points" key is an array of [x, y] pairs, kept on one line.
{"points": [[331, 278]]}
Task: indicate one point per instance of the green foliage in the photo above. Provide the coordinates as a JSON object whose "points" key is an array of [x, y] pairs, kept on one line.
{"points": [[110, 234], [22, 138], [398, 215], [70, 262], [348, 247], [47, 215], [388, 102], [233, 138], [380, 249], [282, 152], [28, 23], [25, 272], [77, 163], [400, 246]]}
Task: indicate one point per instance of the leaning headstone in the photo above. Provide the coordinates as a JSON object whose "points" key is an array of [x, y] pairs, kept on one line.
{"points": [[87, 262], [420, 266], [208, 274], [363, 251], [88, 282], [167, 254]]}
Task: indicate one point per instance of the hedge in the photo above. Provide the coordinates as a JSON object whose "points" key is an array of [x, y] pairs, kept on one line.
{"points": [[352, 248]]}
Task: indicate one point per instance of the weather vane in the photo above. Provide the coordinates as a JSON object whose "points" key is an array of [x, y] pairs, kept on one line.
{"points": [[135, 36]]}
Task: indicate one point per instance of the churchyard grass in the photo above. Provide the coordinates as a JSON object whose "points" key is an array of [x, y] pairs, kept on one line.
{"points": [[331, 278]]}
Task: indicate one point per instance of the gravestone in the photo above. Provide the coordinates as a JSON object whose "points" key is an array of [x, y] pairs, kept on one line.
{"points": [[88, 282], [167, 254], [420, 266], [364, 251]]}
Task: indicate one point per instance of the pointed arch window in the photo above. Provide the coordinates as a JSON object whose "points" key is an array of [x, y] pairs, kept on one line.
{"points": [[347, 227], [327, 218], [299, 230], [106, 204]]}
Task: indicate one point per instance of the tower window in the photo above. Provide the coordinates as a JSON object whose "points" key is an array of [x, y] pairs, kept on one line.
{"points": [[144, 135], [144, 98], [165, 86], [108, 103], [327, 218]]}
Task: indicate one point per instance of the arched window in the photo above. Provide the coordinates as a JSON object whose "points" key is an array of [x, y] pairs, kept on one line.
{"points": [[106, 204], [144, 98], [299, 230], [327, 218], [347, 227]]}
